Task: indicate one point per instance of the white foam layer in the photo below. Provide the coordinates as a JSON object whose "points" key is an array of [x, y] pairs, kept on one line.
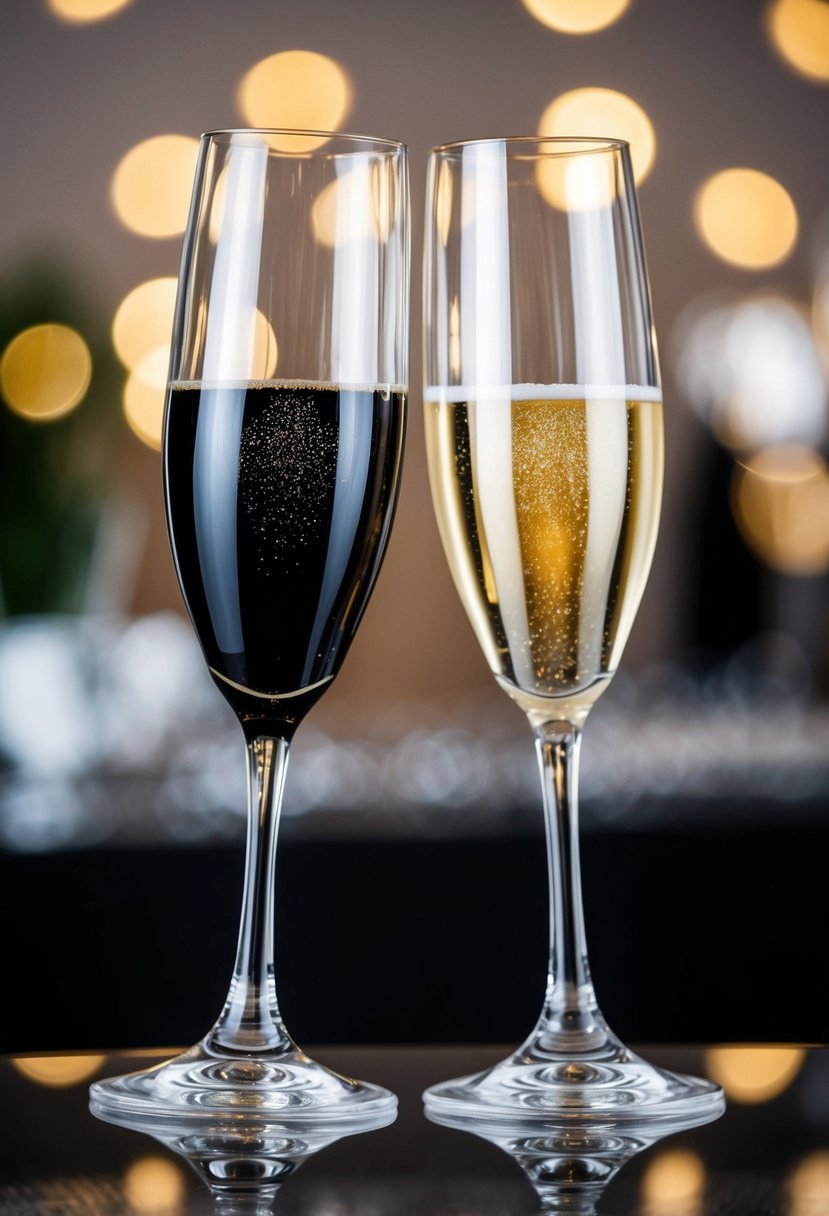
{"points": [[278, 384], [454, 393]]}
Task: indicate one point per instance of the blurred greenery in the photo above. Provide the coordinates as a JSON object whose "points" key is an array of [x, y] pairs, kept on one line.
{"points": [[54, 476]]}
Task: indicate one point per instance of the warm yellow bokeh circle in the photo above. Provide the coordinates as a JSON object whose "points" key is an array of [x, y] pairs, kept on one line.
{"points": [[152, 184], [607, 114], [144, 396], [754, 1074], [299, 90], [58, 1072], [153, 1185], [576, 16], [45, 372], [808, 1185], [83, 11], [673, 1176], [355, 206], [780, 500], [746, 218], [146, 385], [144, 320], [597, 113], [799, 31]]}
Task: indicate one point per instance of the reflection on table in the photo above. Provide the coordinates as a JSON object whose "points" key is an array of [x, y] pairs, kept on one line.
{"points": [[767, 1156]]}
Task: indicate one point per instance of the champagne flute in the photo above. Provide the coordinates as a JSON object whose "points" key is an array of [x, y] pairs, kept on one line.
{"points": [[282, 448], [544, 435]]}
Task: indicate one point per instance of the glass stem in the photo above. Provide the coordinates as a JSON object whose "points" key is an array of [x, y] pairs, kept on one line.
{"points": [[250, 1020], [570, 1018]]}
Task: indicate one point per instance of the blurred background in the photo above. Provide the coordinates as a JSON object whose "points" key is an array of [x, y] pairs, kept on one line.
{"points": [[413, 786]]}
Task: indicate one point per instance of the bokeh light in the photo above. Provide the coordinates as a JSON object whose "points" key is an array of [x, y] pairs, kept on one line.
{"points": [[751, 370], [443, 202], [754, 1074], [217, 206], [302, 90], [746, 218], [144, 395], [58, 1072], [607, 114], [144, 320], [45, 372], [809, 1185], [776, 394], [83, 11], [146, 386], [580, 183], [349, 209], [799, 31], [455, 337], [153, 1185], [265, 348], [674, 1176], [576, 16], [152, 184], [780, 500]]}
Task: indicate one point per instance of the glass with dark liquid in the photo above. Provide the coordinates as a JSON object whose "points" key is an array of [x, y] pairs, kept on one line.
{"points": [[283, 441]]}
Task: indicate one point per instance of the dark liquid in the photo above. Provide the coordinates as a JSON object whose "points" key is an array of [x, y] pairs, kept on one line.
{"points": [[279, 504]]}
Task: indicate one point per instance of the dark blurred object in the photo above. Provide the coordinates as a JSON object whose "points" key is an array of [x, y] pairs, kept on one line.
{"points": [[730, 588], [406, 941]]}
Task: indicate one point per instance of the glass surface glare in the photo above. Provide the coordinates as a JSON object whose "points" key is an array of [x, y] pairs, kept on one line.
{"points": [[280, 494], [543, 414]]}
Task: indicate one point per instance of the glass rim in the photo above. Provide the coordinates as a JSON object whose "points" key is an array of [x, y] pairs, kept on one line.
{"points": [[522, 143], [379, 143]]}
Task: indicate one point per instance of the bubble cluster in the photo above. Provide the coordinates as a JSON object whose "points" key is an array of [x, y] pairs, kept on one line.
{"points": [[552, 502], [287, 469], [548, 499]]}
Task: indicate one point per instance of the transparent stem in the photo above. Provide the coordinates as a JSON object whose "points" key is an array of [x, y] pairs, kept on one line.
{"points": [[250, 1020], [244, 1205], [570, 1019]]}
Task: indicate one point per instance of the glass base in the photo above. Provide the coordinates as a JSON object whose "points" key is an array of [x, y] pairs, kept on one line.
{"points": [[611, 1087], [201, 1084]]}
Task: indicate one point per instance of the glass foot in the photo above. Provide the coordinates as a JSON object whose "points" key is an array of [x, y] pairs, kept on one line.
{"points": [[609, 1086], [203, 1084]]}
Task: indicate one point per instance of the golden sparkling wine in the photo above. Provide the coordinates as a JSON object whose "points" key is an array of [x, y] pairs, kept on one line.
{"points": [[547, 499]]}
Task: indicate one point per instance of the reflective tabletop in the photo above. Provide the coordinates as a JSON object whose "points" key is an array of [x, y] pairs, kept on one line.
{"points": [[768, 1155]]}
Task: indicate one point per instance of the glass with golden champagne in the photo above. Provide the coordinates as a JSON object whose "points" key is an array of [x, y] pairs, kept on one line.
{"points": [[544, 431]]}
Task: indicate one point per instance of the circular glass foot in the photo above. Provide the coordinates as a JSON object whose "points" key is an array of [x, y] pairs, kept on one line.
{"points": [[620, 1089], [203, 1085]]}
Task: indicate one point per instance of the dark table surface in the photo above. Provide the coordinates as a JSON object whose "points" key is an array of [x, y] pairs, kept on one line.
{"points": [[767, 1156]]}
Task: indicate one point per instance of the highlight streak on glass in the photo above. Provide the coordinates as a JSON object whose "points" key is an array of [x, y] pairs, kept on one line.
{"points": [[486, 359], [600, 359]]}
